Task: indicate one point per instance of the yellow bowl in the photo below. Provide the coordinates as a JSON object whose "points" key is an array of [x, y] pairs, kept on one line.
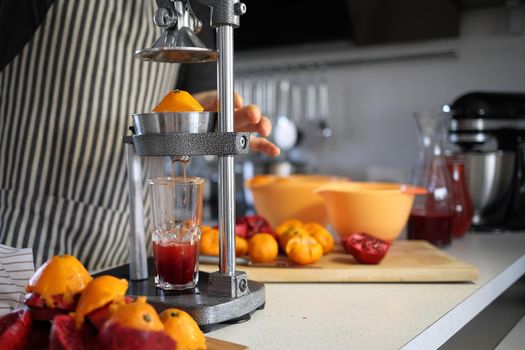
{"points": [[379, 209], [292, 197]]}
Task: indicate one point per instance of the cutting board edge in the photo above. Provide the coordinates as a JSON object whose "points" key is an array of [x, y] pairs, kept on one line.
{"points": [[466, 276], [219, 344], [341, 268]]}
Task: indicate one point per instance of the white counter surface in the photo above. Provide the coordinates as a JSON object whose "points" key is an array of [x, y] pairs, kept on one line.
{"points": [[382, 315]]}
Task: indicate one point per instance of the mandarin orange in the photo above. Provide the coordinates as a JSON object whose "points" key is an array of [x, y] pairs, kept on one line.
{"points": [[209, 242], [263, 248], [182, 328], [291, 232], [285, 225], [321, 235], [241, 246], [304, 250], [137, 315]]}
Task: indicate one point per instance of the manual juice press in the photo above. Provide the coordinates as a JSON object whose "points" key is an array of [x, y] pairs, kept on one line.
{"points": [[225, 295]]}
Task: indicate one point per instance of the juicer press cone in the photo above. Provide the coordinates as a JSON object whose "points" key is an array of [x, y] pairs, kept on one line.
{"points": [[178, 46], [178, 42]]}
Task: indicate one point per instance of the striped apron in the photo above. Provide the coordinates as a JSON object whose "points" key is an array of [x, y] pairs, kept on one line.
{"points": [[65, 103]]}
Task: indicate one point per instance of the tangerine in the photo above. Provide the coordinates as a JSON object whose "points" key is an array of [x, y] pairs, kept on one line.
{"points": [[182, 328], [293, 231], [241, 246], [285, 225], [209, 242], [137, 315], [304, 250], [321, 235], [262, 247]]}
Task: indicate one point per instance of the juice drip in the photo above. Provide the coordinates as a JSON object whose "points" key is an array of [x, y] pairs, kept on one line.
{"points": [[184, 167]]}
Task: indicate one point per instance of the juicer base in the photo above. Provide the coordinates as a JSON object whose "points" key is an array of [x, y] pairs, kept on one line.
{"points": [[208, 309]]}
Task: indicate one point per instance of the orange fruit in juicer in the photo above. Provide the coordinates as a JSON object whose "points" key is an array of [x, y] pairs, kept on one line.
{"points": [[182, 328], [178, 101], [262, 247]]}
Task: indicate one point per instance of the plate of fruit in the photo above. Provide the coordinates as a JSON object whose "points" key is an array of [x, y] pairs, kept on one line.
{"points": [[66, 308]]}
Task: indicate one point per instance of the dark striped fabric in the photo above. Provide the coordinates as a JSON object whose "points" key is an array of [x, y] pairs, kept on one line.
{"points": [[65, 103]]}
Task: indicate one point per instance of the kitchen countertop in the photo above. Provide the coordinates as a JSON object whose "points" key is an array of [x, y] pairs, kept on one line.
{"points": [[382, 315]]}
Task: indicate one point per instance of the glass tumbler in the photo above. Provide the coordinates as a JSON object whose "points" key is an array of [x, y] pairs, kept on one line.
{"points": [[176, 210]]}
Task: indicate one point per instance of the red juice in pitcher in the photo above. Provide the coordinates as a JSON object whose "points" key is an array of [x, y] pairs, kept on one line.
{"points": [[463, 208], [176, 264], [433, 227]]}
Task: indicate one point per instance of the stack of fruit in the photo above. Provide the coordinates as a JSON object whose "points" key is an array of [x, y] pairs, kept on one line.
{"points": [[303, 243], [253, 236], [66, 308]]}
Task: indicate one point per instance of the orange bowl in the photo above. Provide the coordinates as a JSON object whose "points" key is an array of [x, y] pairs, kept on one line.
{"points": [[280, 198], [379, 209]]}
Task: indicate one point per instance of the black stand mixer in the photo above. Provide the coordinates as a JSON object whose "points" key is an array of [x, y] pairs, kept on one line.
{"points": [[225, 295], [489, 129]]}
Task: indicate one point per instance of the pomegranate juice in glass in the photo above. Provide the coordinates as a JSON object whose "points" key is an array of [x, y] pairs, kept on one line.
{"points": [[176, 206]]}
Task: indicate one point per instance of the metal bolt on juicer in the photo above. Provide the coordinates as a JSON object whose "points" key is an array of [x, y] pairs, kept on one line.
{"points": [[225, 295]]}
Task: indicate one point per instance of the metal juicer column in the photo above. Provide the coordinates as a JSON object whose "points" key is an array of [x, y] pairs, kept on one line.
{"points": [[226, 163]]}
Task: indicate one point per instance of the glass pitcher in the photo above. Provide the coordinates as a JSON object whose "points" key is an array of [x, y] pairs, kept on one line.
{"points": [[432, 214], [463, 209]]}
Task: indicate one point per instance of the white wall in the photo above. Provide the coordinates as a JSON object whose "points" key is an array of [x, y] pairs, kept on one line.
{"points": [[371, 104]]}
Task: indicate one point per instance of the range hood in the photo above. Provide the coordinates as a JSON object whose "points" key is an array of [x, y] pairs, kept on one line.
{"points": [[277, 23]]}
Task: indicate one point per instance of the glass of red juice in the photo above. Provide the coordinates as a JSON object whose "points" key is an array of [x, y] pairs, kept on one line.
{"points": [[176, 211]]}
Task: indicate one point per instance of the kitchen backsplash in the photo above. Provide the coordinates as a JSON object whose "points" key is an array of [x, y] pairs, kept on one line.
{"points": [[373, 97]]}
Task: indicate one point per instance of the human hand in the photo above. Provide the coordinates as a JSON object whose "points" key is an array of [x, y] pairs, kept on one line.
{"points": [[247, 118]]}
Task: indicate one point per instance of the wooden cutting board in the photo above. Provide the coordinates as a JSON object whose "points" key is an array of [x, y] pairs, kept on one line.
{"points": [[406, 261], [217, 344]]}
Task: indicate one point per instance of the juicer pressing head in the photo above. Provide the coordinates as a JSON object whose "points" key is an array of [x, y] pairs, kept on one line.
{"points": [[178, 42]]}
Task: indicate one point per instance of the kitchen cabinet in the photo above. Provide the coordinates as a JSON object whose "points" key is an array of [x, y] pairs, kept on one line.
{"points": [[383, 315]]}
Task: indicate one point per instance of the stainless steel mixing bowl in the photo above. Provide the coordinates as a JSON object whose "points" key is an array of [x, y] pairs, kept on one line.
{"points": [[489, 176]]}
